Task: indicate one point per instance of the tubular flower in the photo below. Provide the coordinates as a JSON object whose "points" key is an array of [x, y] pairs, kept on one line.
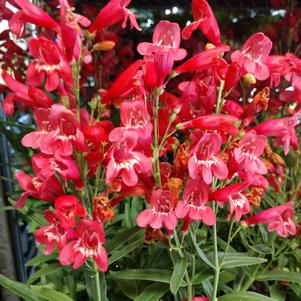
{"points": [[282, 129], [53, 234], [67, 208], [166, 38], [202, 60], [248, 151], [88, 243], [29, 13], [174, 185], [204, 163], [238, 202], [38, 188], [58, 132], [279, 218], [193, 205], [204, 20], [161, 214], [114, 12], [50, 62], [23, 95], [126, 162], [253, 55], [134, 118], [102, 209], [220, 122]]}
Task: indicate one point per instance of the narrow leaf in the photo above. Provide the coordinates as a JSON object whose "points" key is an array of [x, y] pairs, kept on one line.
{"points": [[49, 294], [245, 296], [44, 271], [18, 289], [232, 261], [199, 251], [178, 275], [280, 276], [41, 258], [153, 292]]}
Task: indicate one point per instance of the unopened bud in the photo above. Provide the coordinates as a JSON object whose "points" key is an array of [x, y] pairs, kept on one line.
{"points": [[103, 46], [90, 35], [249, 79], [209, 46]]}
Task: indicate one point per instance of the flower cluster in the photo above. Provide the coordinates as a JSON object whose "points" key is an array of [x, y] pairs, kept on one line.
{"points": [[203, 146]]}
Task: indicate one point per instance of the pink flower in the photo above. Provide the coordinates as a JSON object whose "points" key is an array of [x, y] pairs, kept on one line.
{"points": [[294, 73], [203, 162], [253, 55], [58, 132], [29, 13], [47, 165], [279, 218], [161, 214], [88, 243], [193, 206], [23, 96], [282, 129], [278, 66], [166, 38], [134, 118], [67, 208], [247, 153], [38, 188], [114, 12], [50, 63], [53, 234], [202, 60], [126, 162], [238, 202], [204, 20]]}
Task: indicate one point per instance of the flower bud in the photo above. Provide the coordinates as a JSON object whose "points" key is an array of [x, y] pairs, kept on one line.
{"points": [[249, 79], [103, 46]]}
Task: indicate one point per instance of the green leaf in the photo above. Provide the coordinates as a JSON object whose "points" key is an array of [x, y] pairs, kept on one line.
{"points": [[44, 271], [126, 249], [245, 296], [153, 292], [199, 251], [276, 293], [18, 289], [156, 275], [178, 275], [49, 294], [41, 258], [122, 238], [235, 260], [280, 276], [128, 288]]}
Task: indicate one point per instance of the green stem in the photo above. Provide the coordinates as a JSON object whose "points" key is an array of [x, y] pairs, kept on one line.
{"points": [[76, 89], [228, 242], [216, 261], [97, 292], [220, 99]]}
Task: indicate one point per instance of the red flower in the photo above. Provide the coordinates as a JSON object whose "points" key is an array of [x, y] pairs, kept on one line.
{"points": [[37, 187], [123, 85], [278, 66], [193, 206], [166, 38], [220, 122], [53, 234], [114, 12], [202, 60], [238, 202], [30, 13], [248, 151], [126, 162], [294, 73], [23, 95], [67, 208], [88, 243], [204, 20], [253, 55], [50, 62], [203, 162], [161, 214], [135, 119], [58, 132], [279, 218]]}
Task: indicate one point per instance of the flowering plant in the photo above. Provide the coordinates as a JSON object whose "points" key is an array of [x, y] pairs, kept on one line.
{"points": [[151, 178]]}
